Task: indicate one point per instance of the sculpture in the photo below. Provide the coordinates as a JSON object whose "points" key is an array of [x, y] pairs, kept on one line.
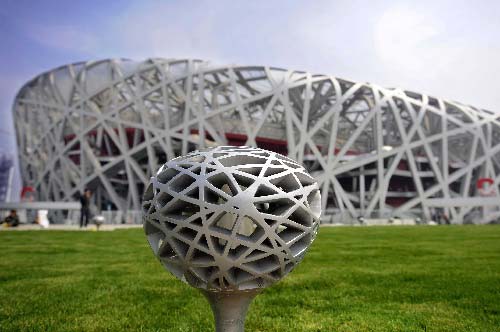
{"points": [[231, 221]]}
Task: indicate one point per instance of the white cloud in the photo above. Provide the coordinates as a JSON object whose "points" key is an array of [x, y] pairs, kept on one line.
{"points": [[420, 49], [66, 37], [159, 30], [403, 39]]}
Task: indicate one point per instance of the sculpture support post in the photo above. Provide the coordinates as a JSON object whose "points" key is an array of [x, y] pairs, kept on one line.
{"points": [[230, 308]]}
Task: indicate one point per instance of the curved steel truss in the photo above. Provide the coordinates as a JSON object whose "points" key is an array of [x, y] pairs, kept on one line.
{"points": [[108, 125]]}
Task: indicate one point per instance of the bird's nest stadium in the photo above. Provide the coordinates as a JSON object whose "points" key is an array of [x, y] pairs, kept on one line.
{"points": [[376, 152]]}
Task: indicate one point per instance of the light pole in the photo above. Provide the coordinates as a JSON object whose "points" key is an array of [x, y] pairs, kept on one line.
{"points": [[231, 221]]}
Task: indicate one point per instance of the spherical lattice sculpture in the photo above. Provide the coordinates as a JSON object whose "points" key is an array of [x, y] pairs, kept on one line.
{"points": [[231, 219]]}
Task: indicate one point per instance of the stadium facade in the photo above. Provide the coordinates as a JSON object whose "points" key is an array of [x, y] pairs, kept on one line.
{"points": [[376, 152], [6, 176]]}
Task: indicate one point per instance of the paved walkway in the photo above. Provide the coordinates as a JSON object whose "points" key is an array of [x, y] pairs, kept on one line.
{"points": [[56, 227]]}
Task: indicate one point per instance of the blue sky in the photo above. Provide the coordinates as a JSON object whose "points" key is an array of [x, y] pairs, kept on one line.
{"points": [[449, 49]]}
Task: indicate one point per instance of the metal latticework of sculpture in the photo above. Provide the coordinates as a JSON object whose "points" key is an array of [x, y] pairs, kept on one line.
{"points": [[375, 152], [231, 221], [231, 218]]}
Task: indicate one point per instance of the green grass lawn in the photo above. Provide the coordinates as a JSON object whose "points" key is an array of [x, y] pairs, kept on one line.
{"points": [[352, 279]]}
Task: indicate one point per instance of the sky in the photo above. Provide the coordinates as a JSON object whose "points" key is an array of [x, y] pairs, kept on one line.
{"points": [[448, 49]]}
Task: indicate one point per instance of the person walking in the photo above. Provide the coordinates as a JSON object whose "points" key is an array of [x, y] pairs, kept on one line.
{"points": [[85, 209]]}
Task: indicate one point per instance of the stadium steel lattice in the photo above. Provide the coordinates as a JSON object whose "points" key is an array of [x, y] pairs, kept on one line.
{"points": [[376, 152]]}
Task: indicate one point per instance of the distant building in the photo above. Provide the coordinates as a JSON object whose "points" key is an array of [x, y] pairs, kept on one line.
{"points": [[376, 152], [6, 176]]}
